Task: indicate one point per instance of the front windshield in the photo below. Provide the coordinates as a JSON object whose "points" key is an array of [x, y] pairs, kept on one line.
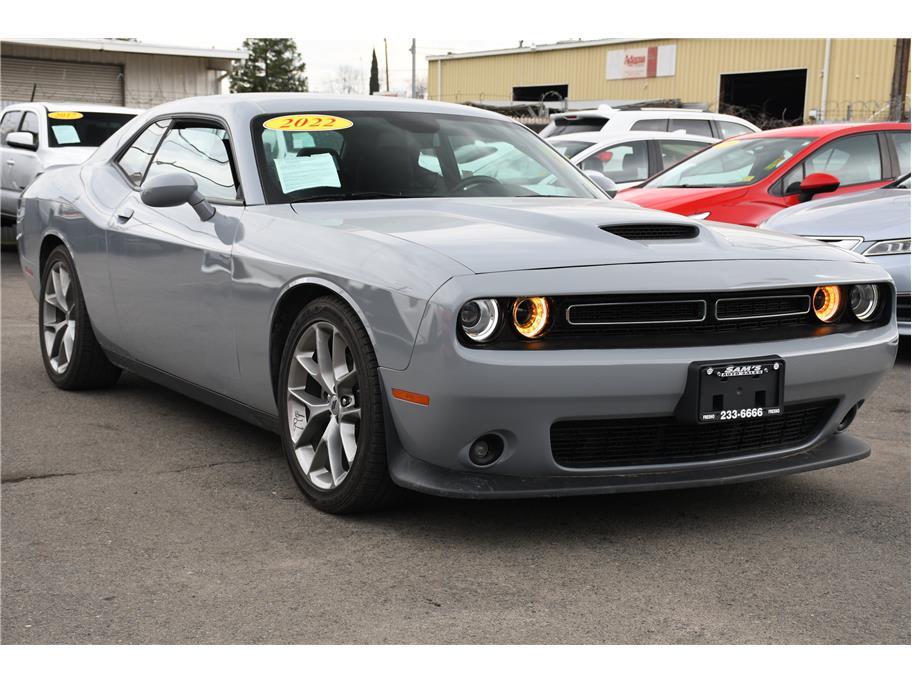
{"points": [[83, 128], [368, 155], [571, 148], [732, 163]]}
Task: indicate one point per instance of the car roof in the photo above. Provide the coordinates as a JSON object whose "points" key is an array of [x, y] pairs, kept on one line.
{"points": [[257, 103], [646, 112], [603, 138], [821, 130]]}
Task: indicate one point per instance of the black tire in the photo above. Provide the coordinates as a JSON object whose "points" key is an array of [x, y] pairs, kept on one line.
{"points": [[87, 366], [367, 485]]}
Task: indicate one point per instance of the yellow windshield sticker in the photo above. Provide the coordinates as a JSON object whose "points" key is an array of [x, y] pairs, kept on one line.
{"points": [[65, 115], [727, 143], [311, 122]]}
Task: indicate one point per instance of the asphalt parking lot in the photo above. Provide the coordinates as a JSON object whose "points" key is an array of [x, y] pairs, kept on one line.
{"points": [[136, 515]]}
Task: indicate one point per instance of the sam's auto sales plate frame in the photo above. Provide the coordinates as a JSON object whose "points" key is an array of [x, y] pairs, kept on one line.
{"points": [[733, 390]]}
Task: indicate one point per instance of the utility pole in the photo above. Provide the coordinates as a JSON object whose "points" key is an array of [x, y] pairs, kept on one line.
{"points": [[386, 64], [900, 84], [413, 68]]}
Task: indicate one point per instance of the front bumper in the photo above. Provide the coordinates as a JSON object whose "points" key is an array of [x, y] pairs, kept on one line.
{"points": [[519, 394], [416, 474]]}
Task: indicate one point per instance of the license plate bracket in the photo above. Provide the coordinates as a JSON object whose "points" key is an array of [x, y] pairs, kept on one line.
{"points": [[733, 390]]}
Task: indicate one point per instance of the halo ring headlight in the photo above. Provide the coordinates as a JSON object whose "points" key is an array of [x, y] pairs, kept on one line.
{"points": [[863, 300], [531, 316], [827, 302], [479, 319]]}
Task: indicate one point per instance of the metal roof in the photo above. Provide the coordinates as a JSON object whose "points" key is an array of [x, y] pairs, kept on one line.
{"points": [[111, 45], [564, 45]]}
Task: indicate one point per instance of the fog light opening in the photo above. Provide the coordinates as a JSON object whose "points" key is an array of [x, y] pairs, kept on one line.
{"points": [[486, 450], [849, 416]]}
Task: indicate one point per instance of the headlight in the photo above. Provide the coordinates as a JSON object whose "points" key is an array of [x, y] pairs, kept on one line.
{"points": [[479, 318], [863, 299], [531, 316], [890, 247], [699, 216], [827, 303]]}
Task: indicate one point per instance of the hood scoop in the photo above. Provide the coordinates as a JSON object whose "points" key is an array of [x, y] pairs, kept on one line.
{"points": [[650, 232]]}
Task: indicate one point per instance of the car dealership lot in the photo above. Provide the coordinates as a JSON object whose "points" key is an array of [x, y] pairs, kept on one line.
{"points": [[138, 515]]}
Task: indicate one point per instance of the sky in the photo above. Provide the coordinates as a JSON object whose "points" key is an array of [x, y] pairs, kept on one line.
{"points": [[324, 57]]}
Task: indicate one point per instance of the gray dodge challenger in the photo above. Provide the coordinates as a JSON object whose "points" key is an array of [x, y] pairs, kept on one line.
{"points": [[331, 268]]}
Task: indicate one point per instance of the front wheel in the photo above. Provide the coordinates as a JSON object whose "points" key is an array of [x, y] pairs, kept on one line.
{"points": [[331, 412]]}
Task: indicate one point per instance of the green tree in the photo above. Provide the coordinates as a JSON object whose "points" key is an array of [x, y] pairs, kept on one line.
{"points": [[272, 65], [375, 74]]}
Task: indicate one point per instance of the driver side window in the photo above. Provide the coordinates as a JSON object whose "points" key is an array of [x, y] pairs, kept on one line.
{"points": [[203, 151], [854, 159]]}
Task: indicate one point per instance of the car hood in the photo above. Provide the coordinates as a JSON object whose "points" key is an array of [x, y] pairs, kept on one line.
{"points": [[874, 215], [682, 200], [502, 234]]}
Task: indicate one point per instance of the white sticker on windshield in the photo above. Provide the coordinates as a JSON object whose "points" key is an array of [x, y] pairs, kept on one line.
{"points": [[65, 134], [304, 172]]}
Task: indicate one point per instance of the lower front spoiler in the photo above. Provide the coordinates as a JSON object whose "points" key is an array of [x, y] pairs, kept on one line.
{"points": [[421, 476]]}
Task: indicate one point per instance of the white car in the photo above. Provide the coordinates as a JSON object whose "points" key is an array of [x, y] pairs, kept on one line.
{"points": [[628, 158], [607, 119], [35, 136]]}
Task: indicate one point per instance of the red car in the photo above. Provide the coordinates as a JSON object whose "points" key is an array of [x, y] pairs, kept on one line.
{"points": [[746, 179]]}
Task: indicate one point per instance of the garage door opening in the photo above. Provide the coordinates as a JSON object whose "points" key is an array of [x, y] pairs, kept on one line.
{"points": [[768, 99], [540, 93]]}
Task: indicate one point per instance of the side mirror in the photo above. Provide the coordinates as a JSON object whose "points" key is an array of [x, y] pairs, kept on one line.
{"points": [[22, 140], [817, 183], [604, 183], [174, 189]]}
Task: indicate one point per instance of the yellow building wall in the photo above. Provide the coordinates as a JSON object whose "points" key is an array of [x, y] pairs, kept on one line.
{"points": [[860, 71]]}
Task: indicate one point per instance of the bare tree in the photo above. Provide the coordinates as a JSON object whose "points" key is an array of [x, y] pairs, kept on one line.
{"points": [[421, 87], [348, 80]]}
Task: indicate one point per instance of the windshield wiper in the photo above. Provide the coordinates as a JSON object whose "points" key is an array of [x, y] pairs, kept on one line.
{"points": [[348, 196], [689, 186]]}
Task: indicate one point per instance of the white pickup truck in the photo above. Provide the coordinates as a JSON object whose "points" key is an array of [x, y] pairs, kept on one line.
{"points": [[35, 136]]}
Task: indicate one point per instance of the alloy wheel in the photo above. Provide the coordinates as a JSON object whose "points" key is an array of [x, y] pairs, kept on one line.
{"points": [[58, 317], [324, 405]]}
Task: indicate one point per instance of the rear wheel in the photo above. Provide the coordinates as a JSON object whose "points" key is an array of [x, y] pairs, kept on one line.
{"points": [[72, 356], [331, 412]]}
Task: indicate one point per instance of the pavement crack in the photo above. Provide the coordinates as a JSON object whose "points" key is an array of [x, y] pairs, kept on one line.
{"points": [[37, 477], [216, 464]]}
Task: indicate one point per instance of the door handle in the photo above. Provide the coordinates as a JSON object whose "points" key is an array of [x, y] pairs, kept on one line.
{"points": [[124, 214], [10, 162]]}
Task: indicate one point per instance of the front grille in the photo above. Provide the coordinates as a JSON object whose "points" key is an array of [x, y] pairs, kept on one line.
{"points": [[662, 440], [902, 308], [762, 306], [639, 312], [646, 232]]}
